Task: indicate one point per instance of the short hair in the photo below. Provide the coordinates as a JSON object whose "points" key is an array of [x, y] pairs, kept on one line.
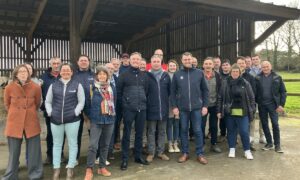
{"points": [[102, 69], [240, 57], [54, 58], [254, 55], [225, 61], [235, 66], [114, 59], [186, 54], [209, 58], [136, 53], [143, 59], [156, 56], [66, 64], [16, 71], [83, 55], [175, 62]]}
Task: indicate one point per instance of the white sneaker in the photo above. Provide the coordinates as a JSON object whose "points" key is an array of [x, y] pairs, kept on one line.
{"points": [[171, 148], [231, 153], [262, 140], [248, 155], [107, 163], [97, 161], [176, 148]]}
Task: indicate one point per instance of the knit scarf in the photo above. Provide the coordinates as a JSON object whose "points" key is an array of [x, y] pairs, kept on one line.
{"points": [[107, 104]]}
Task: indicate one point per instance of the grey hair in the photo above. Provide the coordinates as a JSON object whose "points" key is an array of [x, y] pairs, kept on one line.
{"points": [[54, 58]]}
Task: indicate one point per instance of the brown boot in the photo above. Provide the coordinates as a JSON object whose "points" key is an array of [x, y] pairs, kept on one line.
{"points": [[104, 172], [163, 156], [88, 174], [183, 158], [56, 174], [70, 173], [202, 160]]}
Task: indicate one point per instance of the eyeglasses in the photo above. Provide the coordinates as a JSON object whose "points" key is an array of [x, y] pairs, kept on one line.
{"points": [[22, 71]]}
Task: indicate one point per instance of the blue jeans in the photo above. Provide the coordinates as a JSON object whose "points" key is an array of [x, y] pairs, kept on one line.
{"points": [[264, 111], [238, 124], [172, 129], [58, 131], [213, 124], [185, 118], [139, 118]]}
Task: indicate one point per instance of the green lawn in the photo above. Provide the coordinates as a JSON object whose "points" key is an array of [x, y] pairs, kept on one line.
{"points": [[292, 106]]}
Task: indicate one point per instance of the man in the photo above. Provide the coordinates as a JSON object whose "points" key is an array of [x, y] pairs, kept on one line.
{"points": [[189, 99], [85, 77], [132, 89], [225, 71], [213, 81], [125, 63], [271, 97], [143, 65], [116, 63], [157, 109], [49, 77], [241, 62], [254, 71], [248, 63], [217, 63], [195, 62]]}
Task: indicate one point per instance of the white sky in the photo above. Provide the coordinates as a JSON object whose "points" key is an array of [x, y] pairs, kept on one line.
{"points": [[283, 2]]}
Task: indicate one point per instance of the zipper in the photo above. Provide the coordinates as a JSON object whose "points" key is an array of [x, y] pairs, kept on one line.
{"points": [[138, 95], [63, 105], [159, 98], [189, 86]]}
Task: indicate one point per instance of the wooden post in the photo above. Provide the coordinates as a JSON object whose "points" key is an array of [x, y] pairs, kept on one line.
{"points": [[75, 40], [28, 49], [168, 44]]}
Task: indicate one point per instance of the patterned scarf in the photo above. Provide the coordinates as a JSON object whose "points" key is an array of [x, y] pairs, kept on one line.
{"points": [[107, 104]]}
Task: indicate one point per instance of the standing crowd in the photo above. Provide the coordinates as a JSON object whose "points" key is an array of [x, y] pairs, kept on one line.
{"points": [[122, 99]]}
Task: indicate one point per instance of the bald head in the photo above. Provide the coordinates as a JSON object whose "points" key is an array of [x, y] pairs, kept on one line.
{"points": [[266, 67]]}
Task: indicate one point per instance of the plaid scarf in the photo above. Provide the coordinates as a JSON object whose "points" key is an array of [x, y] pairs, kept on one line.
{"points": [[107, 104]]}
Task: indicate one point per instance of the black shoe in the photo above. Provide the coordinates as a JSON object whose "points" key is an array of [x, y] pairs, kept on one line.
{"points": [[111, 156], [215, 148], [141, 161], [124, 165], [268, 147], [48, 161], [252, 148], [278, 149]]}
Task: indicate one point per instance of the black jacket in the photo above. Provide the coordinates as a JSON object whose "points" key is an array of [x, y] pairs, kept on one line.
{"points": [[189, 90], [132, 89], [158, 97], [225, 100], [248, 77], [278, 89]]}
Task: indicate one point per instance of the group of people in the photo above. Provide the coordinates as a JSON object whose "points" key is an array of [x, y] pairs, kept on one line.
{"points": [[172, 104]]}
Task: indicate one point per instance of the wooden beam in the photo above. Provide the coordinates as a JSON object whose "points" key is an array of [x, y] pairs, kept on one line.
{"points": [[253, 7], [37, 17], [75, 40], [87, 17], [267, 33]]}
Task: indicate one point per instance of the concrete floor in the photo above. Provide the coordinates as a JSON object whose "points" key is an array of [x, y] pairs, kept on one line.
{"points": [[266, 164]]}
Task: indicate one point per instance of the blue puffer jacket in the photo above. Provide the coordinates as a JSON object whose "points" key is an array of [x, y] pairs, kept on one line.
{"points": [[189, 90], [158, 97], [93, 108]]}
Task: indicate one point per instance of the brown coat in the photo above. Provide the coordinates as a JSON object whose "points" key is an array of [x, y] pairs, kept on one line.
{"points": [[22, 103]]}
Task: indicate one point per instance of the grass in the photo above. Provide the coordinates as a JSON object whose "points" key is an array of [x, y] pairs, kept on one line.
{"points": [[292, 105]]}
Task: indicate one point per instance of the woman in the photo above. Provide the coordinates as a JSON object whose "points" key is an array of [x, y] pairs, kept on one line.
{"points": [[64, 102], [32, 74], [236, 100], [173, 121], [22, 98], [101, 112]]}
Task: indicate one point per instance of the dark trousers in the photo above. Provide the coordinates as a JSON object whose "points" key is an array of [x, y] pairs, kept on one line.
{"points": [[213, 124], [185, 118], [80, 130], [222, 125], [138, 117], [34, 163], [237, 125], [264, 112]]}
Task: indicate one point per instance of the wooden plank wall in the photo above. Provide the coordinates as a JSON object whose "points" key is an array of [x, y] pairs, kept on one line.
{"points": [[12, 52], [199, 34]]}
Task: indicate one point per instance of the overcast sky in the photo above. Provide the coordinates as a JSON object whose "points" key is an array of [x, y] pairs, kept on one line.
{"points": [[283, 2]]}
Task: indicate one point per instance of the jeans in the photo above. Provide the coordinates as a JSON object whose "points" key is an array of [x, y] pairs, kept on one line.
{"points": [[161, 136], [213, 124], [79, 136], [264, 111], [222, 125], [235, 124], [139, 118], [71, 130], [196, 119], [99, 142], [173, 130]]}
